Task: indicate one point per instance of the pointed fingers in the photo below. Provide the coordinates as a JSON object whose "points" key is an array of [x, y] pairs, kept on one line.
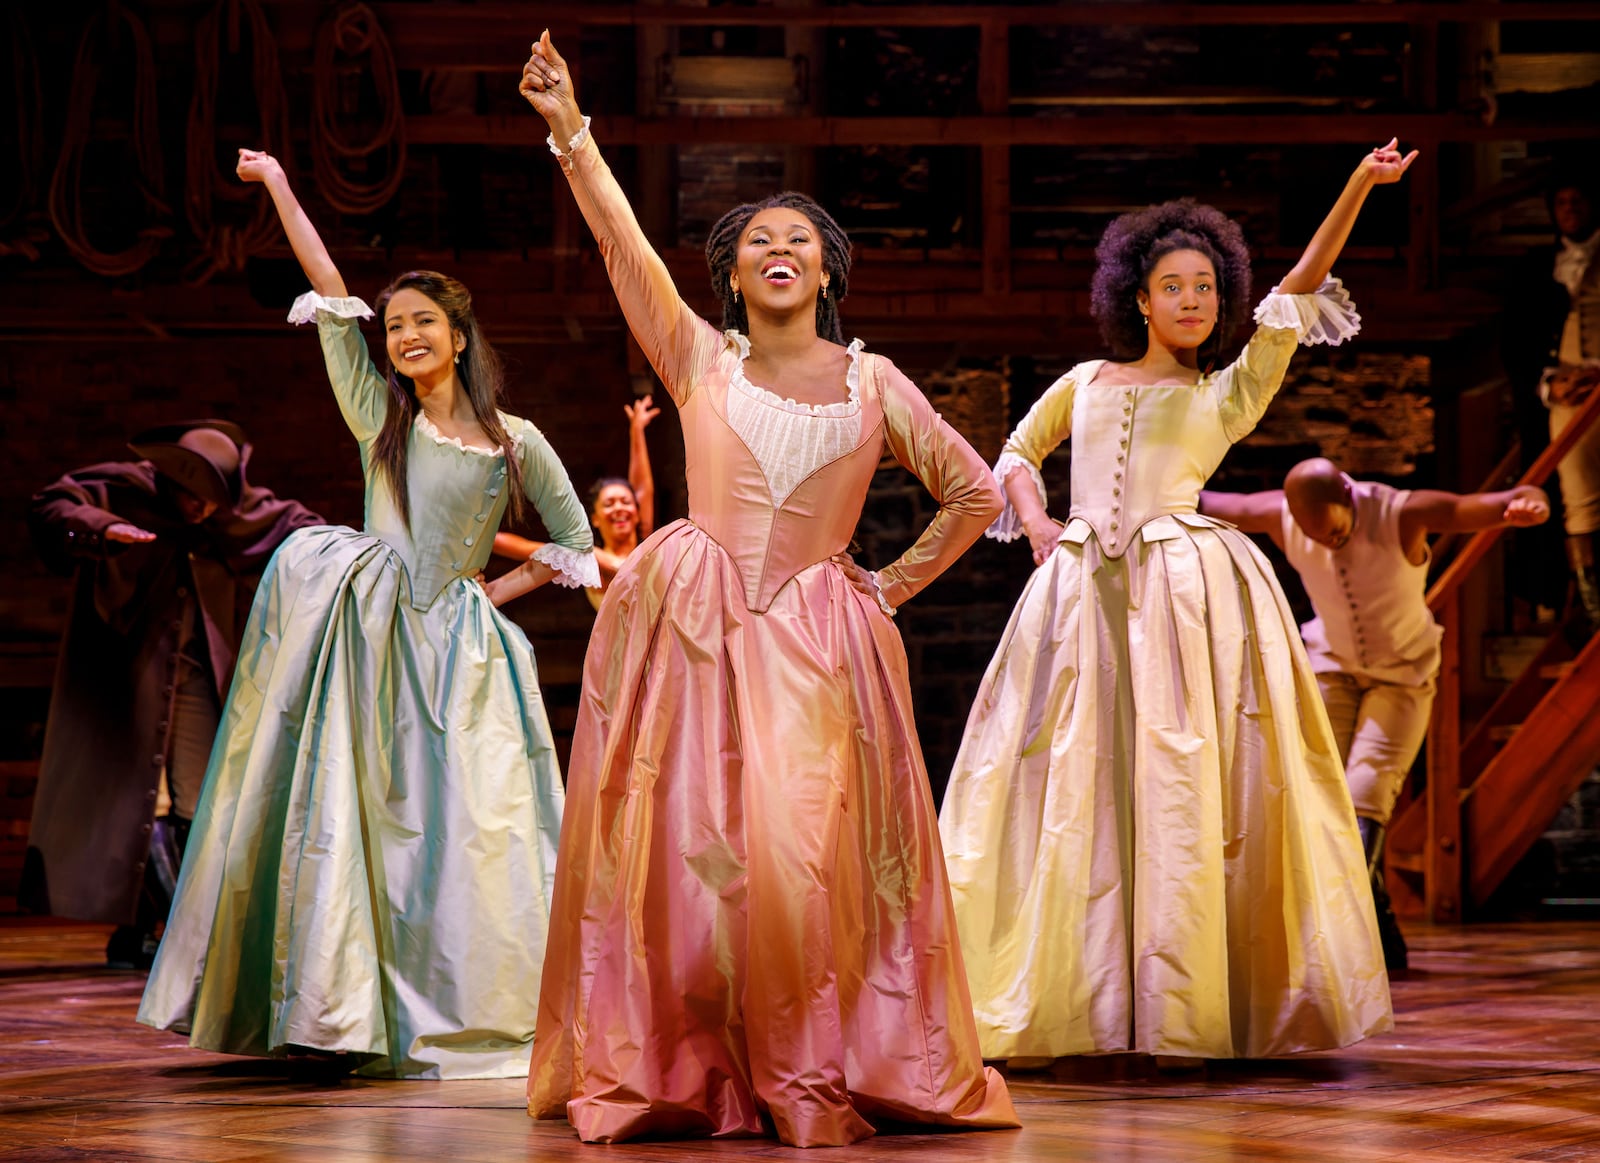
{"points": [[1409, 158]]}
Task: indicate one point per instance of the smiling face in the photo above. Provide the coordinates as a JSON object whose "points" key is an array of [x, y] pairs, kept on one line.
{"points": [[1180, 299], [616, 514], [778, 268], [420, 340]]}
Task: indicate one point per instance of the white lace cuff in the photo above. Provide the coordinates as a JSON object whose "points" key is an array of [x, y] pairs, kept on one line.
{"points": [[1008, 525], [877, 592], [1325, 316], [572, 146], [575, 570], [307, 305]]}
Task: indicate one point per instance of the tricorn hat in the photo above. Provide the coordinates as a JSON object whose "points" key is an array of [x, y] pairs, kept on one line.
{"points": [[202, 456]]}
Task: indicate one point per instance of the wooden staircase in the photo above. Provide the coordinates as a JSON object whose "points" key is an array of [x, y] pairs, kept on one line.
{"points": [[1520, 764], [1491, 794]]}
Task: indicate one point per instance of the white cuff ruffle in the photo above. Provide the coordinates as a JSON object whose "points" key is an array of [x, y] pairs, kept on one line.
{"points": [[877, 592], [575, 570], [577, 139], [307, 305], [1325, 316], [1008, 526]]}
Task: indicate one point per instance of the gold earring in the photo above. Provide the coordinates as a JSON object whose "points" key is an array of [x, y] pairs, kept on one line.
{"points": [[824, 291], [736, 294]]}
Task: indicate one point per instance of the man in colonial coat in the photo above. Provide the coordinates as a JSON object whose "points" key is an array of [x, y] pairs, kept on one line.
{"points": [[167, 551]]}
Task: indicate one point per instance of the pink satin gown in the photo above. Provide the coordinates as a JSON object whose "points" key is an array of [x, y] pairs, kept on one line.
{"points": [[751, 919]]}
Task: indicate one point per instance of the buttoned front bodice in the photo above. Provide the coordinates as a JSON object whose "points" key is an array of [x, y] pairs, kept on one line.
{"points": [[1142, 451], [1146, 451]]}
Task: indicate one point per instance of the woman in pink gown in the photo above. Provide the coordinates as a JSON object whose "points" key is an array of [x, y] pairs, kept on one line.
{"points": [[752, 926]]}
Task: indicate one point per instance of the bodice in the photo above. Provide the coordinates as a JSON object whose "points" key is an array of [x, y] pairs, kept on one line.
{"points": [[457, 500], [1141, 452], [731, 496]]}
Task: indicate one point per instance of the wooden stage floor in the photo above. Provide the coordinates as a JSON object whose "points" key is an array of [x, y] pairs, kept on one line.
{"points": [[1495, 1055]]}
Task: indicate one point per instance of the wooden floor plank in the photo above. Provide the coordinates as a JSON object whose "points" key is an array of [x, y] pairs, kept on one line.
{"points": [[1493, 1056]]}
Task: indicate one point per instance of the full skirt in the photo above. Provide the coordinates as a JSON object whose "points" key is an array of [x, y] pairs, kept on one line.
{"points": [[751, 918], [371, 863], [1150, 841]]}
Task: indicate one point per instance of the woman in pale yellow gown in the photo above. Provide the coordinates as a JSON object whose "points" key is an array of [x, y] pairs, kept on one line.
{"points": [[752, 930], [1149, 836]]}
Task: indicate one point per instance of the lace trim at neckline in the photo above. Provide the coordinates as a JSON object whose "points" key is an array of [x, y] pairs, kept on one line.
{"points": [[431, 430], [846, 407]]}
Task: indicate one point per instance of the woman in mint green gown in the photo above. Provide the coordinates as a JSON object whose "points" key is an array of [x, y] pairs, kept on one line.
{"points": [[369, 871]]}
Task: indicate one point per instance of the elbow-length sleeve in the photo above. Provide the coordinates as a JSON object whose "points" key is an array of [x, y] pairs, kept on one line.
{"points": [[362, 393], [951, 470], [676, 341], [570, 550], [1046, 425], [1246, 387]]}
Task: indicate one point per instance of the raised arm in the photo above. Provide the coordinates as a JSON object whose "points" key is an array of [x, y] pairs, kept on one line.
{"points": [[675, 340], [640, 413], [1380, 167], [256, 166], [1251, 512], [362, 394]]}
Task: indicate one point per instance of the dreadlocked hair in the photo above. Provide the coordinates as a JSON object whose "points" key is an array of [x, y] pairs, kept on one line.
{"points": [[1128, 253], [481, 376], [722, 249]]}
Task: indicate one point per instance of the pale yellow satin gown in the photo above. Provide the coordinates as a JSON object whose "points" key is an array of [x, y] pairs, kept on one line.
{"points": [[1148, 831], [751, 929]]}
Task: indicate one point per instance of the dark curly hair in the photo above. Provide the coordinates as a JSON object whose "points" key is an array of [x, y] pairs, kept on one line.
{"points": [[1129, 251], [722, 248]]}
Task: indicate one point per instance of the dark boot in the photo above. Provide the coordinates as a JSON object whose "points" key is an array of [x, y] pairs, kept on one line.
{"points": [[1395, 955]]}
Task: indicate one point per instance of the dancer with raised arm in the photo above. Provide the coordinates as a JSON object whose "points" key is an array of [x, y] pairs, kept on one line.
{"points": [[370, 867], [1148, 833], [751, 919], [1361, 549], [622, 509]]}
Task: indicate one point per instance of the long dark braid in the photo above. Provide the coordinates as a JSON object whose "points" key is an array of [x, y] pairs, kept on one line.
{"points": [[722, 248], [481, 375]]}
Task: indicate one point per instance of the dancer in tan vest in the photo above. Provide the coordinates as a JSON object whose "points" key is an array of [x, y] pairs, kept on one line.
{"points": [[1361, 550]]}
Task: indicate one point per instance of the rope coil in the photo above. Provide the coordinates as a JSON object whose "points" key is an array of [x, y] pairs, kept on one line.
{"points": [[351, 30], [227, 244], [144, 140]]}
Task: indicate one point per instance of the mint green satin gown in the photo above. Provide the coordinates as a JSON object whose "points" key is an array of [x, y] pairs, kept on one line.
{"points": [[371, 860]]}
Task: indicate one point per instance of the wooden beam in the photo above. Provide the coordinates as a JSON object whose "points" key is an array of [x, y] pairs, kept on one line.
{"points": [[501, 19], [1119, 129]]}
